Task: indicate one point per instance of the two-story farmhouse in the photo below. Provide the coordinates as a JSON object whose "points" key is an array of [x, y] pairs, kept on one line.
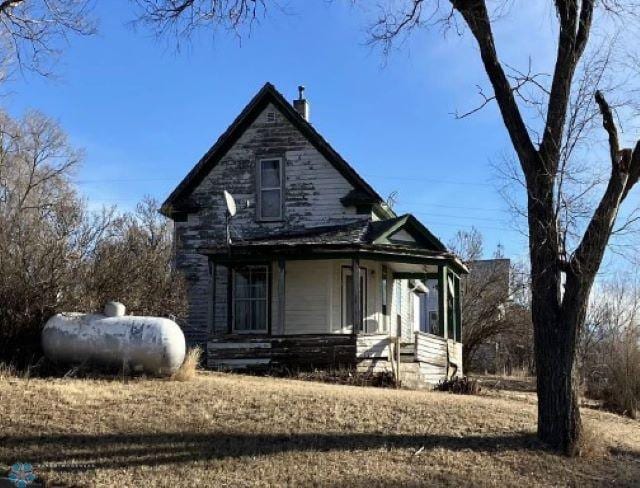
{"points": [[314, 269]]}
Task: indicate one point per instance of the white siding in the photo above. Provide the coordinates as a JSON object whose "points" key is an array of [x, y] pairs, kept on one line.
{"points": [[402, 235], [313, 188], [307, 300]]}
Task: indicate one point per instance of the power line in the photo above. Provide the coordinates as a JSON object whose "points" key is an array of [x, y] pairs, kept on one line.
{"points": [[459, 207], [386, 177], [120, 180], [430, 180]]}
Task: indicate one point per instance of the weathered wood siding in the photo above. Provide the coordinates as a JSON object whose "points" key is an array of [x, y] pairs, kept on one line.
{"points": [[455, 356], [432, 352], [373, 346], [299, 352], [313, 188]]}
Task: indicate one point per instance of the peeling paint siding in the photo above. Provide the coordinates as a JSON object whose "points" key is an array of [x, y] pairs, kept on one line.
{"points": [[313, 188]]}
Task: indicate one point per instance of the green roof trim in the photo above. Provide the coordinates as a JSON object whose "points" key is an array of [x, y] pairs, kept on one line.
{"points": [[422, 235]]}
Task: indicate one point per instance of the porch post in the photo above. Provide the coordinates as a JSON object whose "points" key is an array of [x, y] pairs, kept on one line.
{"points": [[355, 295], [281, 295], [229, 299], [458, 309], [443, 292], [213, 275]]}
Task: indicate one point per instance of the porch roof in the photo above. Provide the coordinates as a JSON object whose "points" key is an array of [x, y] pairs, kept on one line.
{"points": [[364, 239]]}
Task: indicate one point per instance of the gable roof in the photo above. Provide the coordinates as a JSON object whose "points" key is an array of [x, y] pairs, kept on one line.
{"points": [[382, 232], [178, 199]]}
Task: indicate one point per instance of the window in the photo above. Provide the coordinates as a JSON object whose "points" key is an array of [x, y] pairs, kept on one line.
{"points": [[434, 324], [383, 291], [271, 117], [270, 189], [250, 304]]}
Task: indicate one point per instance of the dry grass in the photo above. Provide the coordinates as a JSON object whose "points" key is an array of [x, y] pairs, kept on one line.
{"points": [[231, 430], [189, 367]]}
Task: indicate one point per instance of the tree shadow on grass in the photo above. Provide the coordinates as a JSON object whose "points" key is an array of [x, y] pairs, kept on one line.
{"points": [[73, 452]]}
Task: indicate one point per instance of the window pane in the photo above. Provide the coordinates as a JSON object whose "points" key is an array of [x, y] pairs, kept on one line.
{"points": [[270, 176], [241, 283], [242, 315], [259, 313], [270, 203], [258, 283], [384, 292]]}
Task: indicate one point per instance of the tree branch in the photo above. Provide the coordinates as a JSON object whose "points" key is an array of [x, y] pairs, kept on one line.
{"points": [[574, 33], [476, 16], [625, 169]]}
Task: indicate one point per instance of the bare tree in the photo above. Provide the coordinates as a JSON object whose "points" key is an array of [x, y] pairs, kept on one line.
{"points": [[133, 265], [561, 278], [180, 19], [32, 32], [610, 345], [492, 306], [56, 256]]}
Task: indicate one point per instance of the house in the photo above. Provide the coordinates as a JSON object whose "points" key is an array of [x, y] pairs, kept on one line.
{"points": [[314, 269]]}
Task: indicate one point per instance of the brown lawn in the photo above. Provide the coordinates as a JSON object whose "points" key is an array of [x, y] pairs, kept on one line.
{"points": [[232, 430]]}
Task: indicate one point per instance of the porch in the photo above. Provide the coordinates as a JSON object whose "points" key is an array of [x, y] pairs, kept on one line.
{"points": [[327, 307]]}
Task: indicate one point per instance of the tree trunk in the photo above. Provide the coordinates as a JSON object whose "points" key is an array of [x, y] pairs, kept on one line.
{"points": [[557, 324], [559, 423]]}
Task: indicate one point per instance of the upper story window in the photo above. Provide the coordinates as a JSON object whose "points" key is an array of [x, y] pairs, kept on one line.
{"points": [[270, 189]]}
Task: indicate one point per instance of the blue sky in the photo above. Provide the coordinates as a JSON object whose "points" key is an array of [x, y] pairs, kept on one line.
{"points": [[145, 113]]}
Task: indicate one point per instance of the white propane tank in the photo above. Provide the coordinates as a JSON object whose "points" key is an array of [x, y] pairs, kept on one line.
{"points": [[146, 344]]}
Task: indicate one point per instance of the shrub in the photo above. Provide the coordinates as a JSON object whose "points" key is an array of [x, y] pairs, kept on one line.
{"points": [[462, 386], [622, 390], [57, 256], [189, 366]]}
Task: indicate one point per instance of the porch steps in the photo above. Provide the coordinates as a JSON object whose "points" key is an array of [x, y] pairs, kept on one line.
{"points": [[411, 377]]}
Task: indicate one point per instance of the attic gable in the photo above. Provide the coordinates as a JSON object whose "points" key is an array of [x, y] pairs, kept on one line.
{"points": [[178, 201], [404, 230]]}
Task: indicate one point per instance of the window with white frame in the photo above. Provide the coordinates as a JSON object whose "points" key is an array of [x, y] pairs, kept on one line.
{"points": [[270, 189], [250, 299]]}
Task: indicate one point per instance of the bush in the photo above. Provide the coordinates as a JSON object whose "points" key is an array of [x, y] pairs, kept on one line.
{"points": [[610, 349], [621, 391], [461, 386], [189, 366], [57, 256]]}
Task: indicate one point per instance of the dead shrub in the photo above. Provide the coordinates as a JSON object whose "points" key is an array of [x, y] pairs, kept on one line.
{"points": [[461, 386], [610, 349], [622, 392], [189, 367], [591, 444], [7, 371]]}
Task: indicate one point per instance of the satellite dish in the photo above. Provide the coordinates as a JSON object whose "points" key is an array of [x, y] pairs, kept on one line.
{"points": [[231, 203]]}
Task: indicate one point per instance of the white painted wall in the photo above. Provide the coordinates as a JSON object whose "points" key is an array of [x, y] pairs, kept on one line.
{"points": [[314, 299], [307, 297]]}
